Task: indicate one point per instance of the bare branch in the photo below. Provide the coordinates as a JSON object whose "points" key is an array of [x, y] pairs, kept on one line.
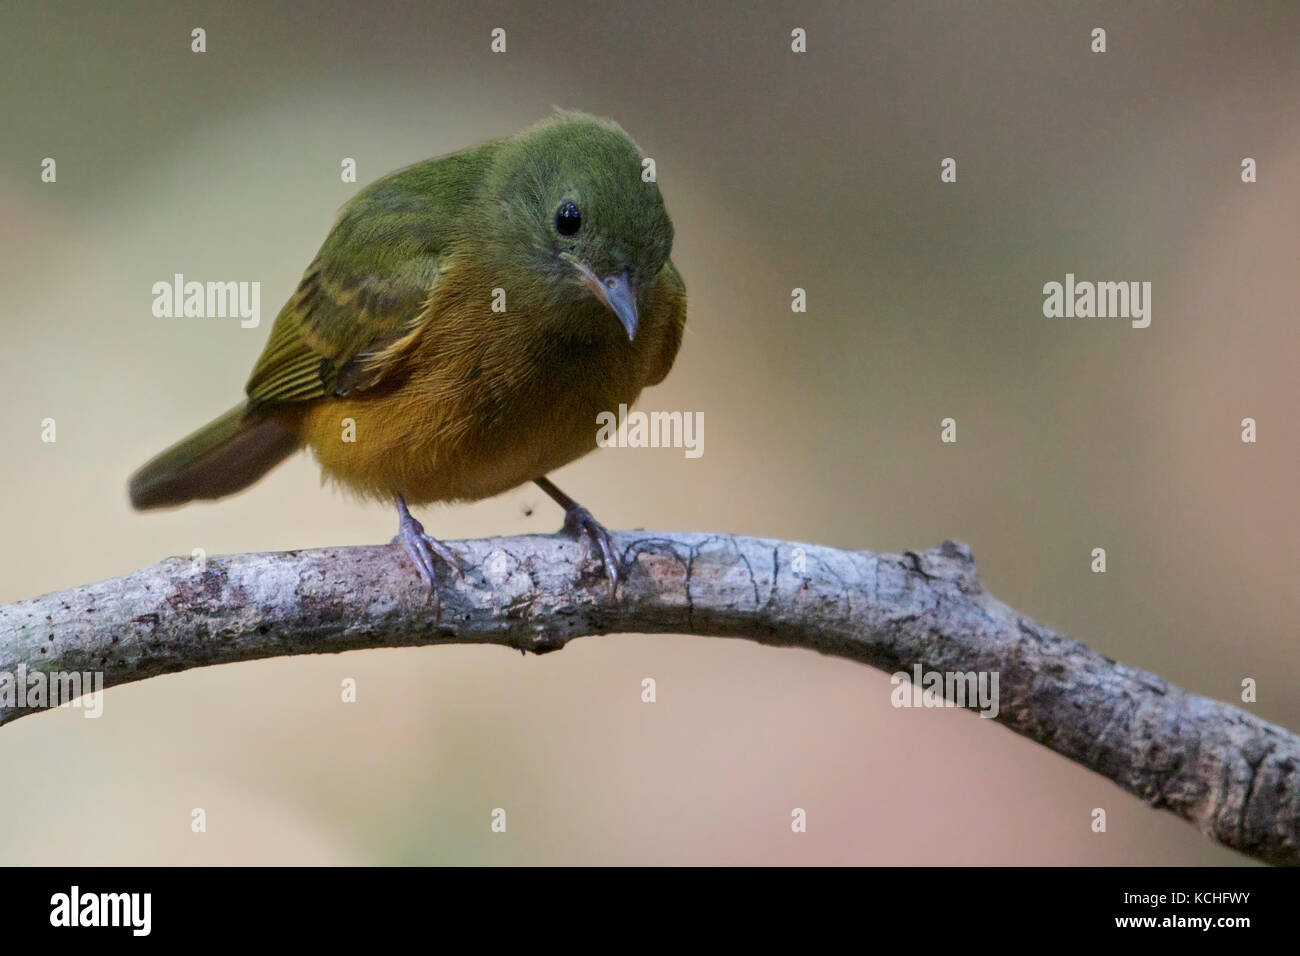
{"points": [[1230, 773]]}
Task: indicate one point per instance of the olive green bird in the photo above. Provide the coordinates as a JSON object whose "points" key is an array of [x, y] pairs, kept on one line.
{"points": [[395, 363]]}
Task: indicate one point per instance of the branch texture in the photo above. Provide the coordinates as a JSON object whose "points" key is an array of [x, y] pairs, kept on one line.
{"points": [[1230, 773]]}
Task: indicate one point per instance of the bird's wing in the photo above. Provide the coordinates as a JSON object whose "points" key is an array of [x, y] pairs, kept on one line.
{"points": [[360, 303]]}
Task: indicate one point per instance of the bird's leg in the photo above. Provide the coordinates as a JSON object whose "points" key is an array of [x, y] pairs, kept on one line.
{"points": [[422, 548], [577, 522]]}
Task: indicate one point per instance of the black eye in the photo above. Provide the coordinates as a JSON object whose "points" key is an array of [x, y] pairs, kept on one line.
{"points": [[568, 219]]}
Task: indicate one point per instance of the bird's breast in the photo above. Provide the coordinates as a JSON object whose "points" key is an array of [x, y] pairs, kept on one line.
{"points": [[481, 408]]}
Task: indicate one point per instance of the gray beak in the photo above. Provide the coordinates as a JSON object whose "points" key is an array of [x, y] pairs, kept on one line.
{"points": [[616, 292]]}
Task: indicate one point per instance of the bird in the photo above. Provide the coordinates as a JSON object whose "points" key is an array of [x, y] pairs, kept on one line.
{"points": [[465, 321]]}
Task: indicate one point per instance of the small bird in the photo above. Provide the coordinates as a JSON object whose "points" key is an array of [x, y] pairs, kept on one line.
{"points": [[457, 334]]}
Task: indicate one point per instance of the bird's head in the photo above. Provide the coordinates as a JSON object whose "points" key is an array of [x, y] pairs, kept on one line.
{"points": [[574, 209]]}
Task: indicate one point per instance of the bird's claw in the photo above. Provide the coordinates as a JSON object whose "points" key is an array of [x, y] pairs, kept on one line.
{"points": [[422, 549], [577, 522]]}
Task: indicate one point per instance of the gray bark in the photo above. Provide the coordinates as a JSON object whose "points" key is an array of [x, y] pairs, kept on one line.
{"points": [[1230, 773]]}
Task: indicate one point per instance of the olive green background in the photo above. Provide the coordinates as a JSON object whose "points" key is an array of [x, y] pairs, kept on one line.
{"points": [[924, 301]]}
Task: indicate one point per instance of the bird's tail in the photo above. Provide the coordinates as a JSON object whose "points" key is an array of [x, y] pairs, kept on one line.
{"points": [[222, 457]]}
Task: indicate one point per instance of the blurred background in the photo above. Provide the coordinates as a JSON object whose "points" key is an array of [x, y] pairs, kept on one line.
{"points": [[818, 170]]}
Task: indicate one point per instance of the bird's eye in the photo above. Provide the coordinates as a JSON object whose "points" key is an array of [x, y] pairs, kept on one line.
{"points": [[568, 219]]}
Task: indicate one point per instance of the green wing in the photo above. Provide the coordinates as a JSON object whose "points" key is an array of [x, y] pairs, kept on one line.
{"points": [[364, 296]]}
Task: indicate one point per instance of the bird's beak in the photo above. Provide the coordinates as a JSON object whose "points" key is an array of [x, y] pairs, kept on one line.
{"points": [[616, 292]]}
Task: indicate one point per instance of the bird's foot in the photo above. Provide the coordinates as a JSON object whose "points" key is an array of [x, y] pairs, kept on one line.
{"points": [[577, 522], [423, 548]]}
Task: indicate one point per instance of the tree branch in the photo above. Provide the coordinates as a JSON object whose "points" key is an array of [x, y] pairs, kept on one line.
{"points": [[1230, 773]]}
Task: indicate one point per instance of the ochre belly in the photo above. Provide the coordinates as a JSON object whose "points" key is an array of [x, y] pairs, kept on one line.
{"points": [[463, 415], [455, 447]]}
